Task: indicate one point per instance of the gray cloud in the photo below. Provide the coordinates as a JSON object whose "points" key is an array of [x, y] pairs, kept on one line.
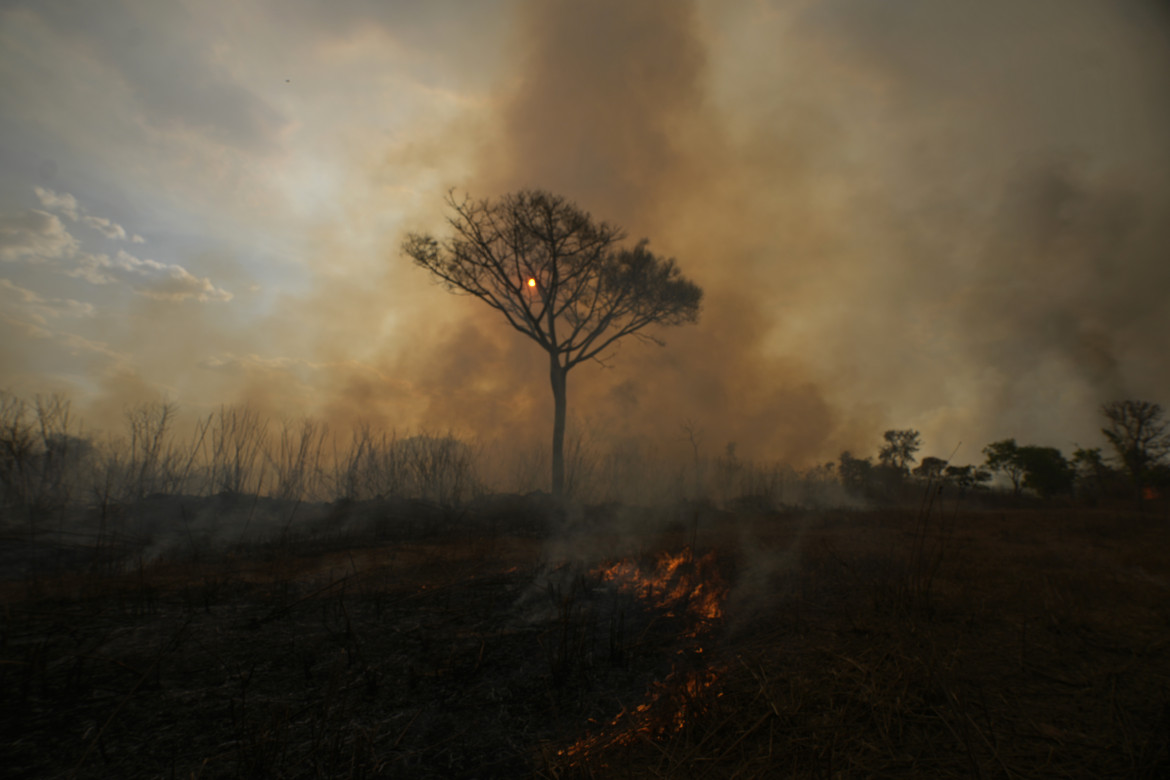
{"points": [[62, 203], [35, 236], [174, 75], [38, 347], [66, 204], [39, 236], [39, 310], [106, 227], [151, 278]]}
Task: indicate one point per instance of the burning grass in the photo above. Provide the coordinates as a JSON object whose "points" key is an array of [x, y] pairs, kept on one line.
{"points": [[861, 644], [678, 584]]}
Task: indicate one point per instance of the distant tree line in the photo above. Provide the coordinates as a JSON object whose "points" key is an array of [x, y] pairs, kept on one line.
{"points": [[1136, 465], [50, 466]]}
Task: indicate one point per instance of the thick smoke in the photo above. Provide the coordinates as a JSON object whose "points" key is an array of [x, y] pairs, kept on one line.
{"points": [[610, 110], [951, 218], [911, 216], [1022, 212]]}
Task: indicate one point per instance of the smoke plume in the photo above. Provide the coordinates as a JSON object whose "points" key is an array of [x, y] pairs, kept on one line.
{"points": [[911, 216], [946, 217]]}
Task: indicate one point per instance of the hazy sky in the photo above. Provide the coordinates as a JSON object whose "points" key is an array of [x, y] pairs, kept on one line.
{"points": [[947, 216]]}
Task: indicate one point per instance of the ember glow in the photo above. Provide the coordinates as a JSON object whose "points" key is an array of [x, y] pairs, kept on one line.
{"points": [[665, 710], [678, 582], [683, 586]]}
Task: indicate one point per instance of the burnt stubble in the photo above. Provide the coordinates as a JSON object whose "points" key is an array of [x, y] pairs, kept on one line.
{"points": [[964, 643]]}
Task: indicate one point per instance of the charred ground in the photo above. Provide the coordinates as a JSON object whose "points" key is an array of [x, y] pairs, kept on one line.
{"points": [[936, 643]]}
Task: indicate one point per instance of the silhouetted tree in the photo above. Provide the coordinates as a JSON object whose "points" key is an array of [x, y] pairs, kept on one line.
{"points": [[1003, 458], [855, 473], [1045, 470], [966, 477], [558, 277], [930, 468], [898, 451], [1092, 473], [1139, 435]]}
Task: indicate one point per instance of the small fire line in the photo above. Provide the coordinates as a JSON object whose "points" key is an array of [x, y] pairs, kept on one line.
{"points": [[678, 583]]}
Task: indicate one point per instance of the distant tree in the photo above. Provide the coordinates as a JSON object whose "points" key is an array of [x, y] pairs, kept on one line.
{"points": [[1139, 435], [1092, 473], [930, 468], [855, 473], [1003, 458], [898, 451], [1089, 459], [558, 277], [966, 477], [1045, 470]]}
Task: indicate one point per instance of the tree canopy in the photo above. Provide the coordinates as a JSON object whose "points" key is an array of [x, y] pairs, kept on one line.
{"points": [[1045, 470], [557, 276], [899, 449], [1003, 457], [1139, 435]]}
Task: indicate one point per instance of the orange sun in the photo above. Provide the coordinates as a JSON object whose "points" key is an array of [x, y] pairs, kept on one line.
{"points": [[531, 282]]}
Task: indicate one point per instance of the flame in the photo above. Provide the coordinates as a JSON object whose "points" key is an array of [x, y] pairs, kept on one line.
{"points": [[664, 712], [679, 583]]}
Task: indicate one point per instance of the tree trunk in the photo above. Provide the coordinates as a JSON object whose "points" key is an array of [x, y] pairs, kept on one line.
{"points": [[558, 374]]}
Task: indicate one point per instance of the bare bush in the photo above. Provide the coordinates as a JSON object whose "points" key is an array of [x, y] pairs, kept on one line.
{"points": [[42, 461], [17, 449], [379, 465], [368, 469], [238, 436], [297, 459], [441, 469], [60, 458], [152, 458], [581, 463]]}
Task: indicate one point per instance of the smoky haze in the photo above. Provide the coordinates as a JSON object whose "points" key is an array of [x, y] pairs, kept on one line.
{"points": [[610, 110], [953, 219]]}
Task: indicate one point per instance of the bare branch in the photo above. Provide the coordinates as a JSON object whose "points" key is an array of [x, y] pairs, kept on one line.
{"points": [[556, 276]]}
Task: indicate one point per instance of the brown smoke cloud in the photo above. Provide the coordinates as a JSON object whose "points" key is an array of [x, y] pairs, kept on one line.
{"points": [[903, 215], [893, 228], [610, 110]]}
